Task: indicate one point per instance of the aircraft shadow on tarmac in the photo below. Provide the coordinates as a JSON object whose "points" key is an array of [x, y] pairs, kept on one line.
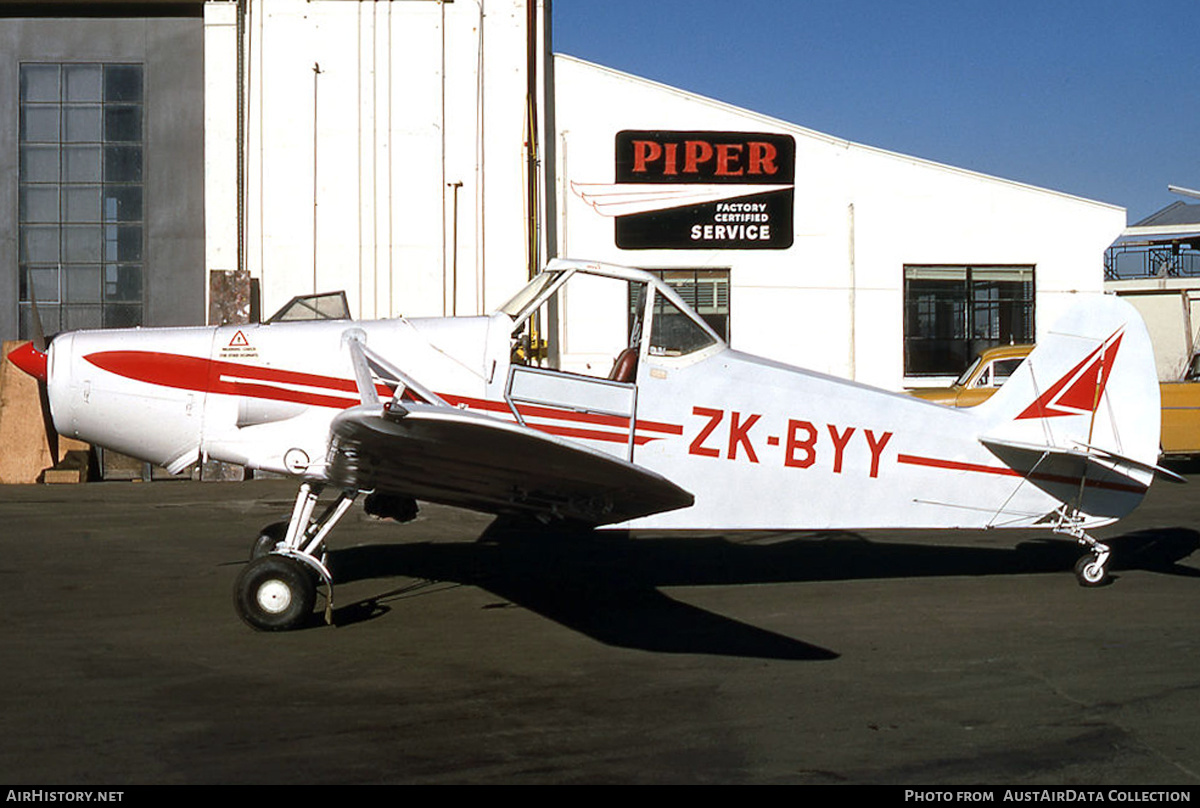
{"points": [[607, 586]]}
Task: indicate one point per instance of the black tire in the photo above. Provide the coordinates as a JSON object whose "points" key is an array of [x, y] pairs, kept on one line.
{"points": [[275, 593], [1089, 573], [268, 537]]}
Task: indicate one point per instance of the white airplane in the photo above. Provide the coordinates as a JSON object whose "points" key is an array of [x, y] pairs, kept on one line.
{"points": [[682, 432]]}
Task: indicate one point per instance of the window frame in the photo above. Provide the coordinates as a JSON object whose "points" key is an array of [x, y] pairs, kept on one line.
{"points": [[676, 279], [979, 314], [87, 238]]}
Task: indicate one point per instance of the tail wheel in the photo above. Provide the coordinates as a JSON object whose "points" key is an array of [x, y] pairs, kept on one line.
{"points": [[275, 593], [1090, 572]]}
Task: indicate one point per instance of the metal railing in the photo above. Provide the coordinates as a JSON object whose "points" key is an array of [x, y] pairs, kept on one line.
{"points": [[1125, 262]]}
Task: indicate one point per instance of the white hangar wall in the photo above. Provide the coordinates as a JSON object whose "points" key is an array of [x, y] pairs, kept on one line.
{"points": [[384, 151], [833, 301]]}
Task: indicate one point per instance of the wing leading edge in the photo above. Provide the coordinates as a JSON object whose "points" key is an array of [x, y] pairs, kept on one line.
{"points": [[471, 460]]}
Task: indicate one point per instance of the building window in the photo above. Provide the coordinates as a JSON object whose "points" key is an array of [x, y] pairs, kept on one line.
{"points": [[952, 313], [705, 290], [80, 206]]}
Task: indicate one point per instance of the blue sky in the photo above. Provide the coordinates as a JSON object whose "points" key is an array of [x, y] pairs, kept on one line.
{"points": [[1098, 98]]}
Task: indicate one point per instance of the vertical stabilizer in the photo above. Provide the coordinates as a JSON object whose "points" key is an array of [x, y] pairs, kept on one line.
{"points": [[1085, 403]]}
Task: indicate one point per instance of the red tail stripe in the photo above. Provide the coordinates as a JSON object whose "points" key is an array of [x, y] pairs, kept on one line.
{"points": [[1004, 471]]}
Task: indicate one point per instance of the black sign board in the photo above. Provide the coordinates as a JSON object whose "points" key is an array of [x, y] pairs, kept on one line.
{"points": [[736, 218]]}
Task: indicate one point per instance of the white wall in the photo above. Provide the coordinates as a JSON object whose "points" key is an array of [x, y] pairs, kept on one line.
{"points": [[1171, 309], [220, 136], [833, 301], [351, 172]]}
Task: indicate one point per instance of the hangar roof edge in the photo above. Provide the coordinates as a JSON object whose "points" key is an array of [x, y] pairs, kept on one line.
{"points": [[831, 139]]}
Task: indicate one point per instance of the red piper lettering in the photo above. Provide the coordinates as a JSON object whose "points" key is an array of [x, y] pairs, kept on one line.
{"points": [[728, 157], [644, 151], [669, 168], [694, 153], [762, 158], [809, 445]]}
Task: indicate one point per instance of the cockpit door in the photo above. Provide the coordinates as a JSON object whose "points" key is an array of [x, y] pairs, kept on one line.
{"points": [[597, 329], [599, 412]]}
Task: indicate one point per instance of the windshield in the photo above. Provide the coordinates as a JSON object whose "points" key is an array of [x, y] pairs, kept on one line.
{"points": [[327, 306], [962, 380], [674, 333], [522, 299]]}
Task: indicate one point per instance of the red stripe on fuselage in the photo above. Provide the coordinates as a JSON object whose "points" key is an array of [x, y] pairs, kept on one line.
{"points": [[1004, 471], [231, 378], [206, 375], [541, 411]]}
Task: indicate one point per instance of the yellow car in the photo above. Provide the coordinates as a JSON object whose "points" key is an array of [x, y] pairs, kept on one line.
{"points": [[977, 383], [1181, 412], [1180, 399]]}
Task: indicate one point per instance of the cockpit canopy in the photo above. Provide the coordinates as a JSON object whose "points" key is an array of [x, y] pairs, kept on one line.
{"points": [[578, 316]]}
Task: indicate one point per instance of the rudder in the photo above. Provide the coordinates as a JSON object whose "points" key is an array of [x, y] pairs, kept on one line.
{"points": [[1088, 392]]}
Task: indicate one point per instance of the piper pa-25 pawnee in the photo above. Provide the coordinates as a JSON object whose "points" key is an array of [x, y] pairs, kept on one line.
{"points": [[675, 430]]}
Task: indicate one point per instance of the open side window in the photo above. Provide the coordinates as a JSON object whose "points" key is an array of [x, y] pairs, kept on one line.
{"points": [[597, 321], [579, 322]]}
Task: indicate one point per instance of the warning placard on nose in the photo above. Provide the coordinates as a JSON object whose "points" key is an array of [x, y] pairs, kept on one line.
{"points": [[238, 347]]}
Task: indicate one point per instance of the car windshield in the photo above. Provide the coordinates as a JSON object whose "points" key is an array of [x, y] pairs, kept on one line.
{"points": [[962, 380]]}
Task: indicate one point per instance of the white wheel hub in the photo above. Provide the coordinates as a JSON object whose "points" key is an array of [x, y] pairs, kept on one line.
{"points": [[273, 596]]}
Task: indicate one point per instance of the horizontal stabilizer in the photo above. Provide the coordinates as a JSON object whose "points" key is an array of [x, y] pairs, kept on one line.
{"points": [[1108, 460], [1161, 471]]}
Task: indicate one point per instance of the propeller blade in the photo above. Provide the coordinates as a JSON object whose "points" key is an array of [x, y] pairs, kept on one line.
{"points": [[39, 336], [39, 346], [48, 421]]}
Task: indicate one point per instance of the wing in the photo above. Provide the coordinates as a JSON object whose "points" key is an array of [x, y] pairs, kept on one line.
{"points": [[451, 456]]}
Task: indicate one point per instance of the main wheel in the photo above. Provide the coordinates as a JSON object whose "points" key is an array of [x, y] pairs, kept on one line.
{"points": [[275, 593], [1090, 572], [268, 537]]}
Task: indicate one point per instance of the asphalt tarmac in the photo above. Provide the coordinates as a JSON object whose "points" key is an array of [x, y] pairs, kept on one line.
{"points": [[897, 658]]}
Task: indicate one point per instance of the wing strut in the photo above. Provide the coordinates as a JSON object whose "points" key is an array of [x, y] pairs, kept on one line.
{"points": [[363, 358]]}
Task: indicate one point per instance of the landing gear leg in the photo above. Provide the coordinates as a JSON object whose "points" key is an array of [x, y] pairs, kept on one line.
{"points": [[1091, 569], [277, 589]]}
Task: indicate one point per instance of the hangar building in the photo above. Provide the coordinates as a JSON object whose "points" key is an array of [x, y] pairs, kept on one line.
{"points": [[427, 156]]}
